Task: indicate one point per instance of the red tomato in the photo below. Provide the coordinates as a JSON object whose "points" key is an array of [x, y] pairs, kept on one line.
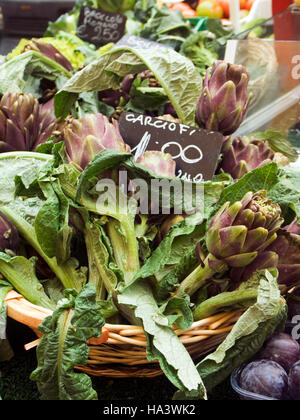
{"points": [[185, 9]]}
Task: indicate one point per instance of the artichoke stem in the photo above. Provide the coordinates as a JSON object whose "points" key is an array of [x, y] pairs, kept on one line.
{"points": [[225, 301], [201, 274]]}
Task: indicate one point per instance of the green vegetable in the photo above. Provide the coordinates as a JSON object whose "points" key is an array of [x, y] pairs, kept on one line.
{"points": [[164, 25], [24, 73], [20, 272], [176, 74], [116, 6], [201, 50], [236, 235], [253, 328], [75, 320], [6, 352], [163, 344], [69, 45], [23, 212]]}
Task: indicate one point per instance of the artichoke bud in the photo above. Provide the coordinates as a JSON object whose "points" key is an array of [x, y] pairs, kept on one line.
{"points": [[24, 123], [88, 136], [244, 154], [9, 237], [49, 51], [239, 231], [224, 101], [161, 164]]}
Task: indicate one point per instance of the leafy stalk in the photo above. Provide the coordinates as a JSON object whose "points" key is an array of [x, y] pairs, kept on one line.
{"points": [[64, 345], [21, 274]]}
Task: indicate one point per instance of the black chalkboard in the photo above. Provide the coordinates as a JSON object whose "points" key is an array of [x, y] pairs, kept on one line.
{"points": [[195, 150], [100, 27]]}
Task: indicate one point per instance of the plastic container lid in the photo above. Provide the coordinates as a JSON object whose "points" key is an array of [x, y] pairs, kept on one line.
{"points": [[246, 395]]}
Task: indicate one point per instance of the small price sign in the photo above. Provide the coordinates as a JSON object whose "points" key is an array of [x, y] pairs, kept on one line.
{"points": [[100, 27], [138, 42], [195, 150]]}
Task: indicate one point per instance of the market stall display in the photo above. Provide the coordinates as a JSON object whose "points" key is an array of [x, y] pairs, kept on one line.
{"points": [[137, 253]]}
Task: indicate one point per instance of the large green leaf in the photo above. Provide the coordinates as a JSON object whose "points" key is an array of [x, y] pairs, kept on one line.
{"points": [[163, 344], [24, 73], [23, 211], [64, 345], [176, 74]]}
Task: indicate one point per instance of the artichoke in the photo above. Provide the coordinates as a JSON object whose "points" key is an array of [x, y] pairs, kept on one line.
{"points": [[244, 154], [237, 234], [24, 123], [86, 137], [293, 227], [161, 164], [264, 260], [224, 100], [49, 51], [287, 247], [9, 237]]}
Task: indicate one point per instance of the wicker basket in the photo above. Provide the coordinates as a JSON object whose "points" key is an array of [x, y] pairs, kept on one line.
{"points": [[121, 350]]}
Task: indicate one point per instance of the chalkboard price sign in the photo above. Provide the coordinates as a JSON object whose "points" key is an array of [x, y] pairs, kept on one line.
{"points": [[138, 42], [100, 27], [195, 150]]}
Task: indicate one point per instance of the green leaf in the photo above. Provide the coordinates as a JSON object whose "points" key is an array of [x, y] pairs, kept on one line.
{"points": [[24, 73], [23, 211], [278, 143], [20, 272], [172, 279], [6, 352], [286, 192], [263, 178], [103, 271], [190, 230], [64, 345], [176, 74], [163, 344], [178, 311]]}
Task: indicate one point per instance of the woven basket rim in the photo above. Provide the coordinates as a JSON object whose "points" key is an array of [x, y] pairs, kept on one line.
{"points": [[120, 352], [32, 315]]}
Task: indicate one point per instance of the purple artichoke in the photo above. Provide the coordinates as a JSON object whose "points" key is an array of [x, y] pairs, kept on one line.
{"points": [[237, 235], [287, 247], [239, 231], [49, 51], [161, 164], [110, 97], [9, 237], [224, 101], [264, 260], [87, 137], [244, 154], [293, 227], [24, 123]]}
